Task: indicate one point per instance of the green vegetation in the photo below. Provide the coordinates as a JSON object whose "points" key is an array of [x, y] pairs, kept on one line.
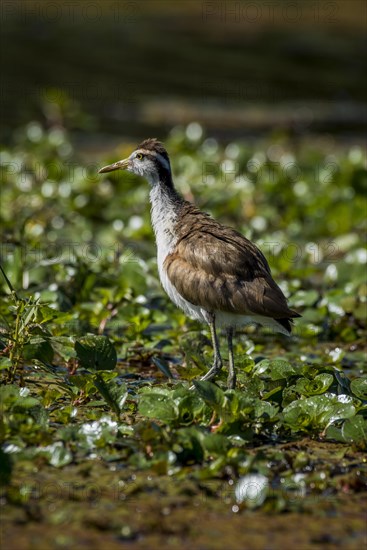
{"points": [[98, 419]]}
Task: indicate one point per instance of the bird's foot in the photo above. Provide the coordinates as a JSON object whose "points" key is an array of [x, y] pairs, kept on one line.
{"points": [[212, 373]]}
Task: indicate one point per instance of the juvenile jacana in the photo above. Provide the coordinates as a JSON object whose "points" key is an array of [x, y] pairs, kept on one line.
{"points": [[209, 270]]}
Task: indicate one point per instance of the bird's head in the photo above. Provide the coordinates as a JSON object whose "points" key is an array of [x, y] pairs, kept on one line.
{"points": [[149, 160]]}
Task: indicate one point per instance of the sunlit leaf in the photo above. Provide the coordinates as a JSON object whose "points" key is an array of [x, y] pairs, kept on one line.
{"points": [[58, 454], [320, 384], [276, 369], [355, 430], [158, 406], [359, 387], [317, 412]]}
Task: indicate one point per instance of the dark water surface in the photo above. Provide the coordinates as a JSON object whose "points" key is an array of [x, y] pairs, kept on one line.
{"points": [[142, 67]]}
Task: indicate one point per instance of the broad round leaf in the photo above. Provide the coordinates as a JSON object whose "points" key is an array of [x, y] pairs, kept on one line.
{"points": [[359, 387]]}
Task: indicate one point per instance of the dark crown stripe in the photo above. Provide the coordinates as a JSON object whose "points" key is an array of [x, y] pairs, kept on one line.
{"points": [[153, 144]]}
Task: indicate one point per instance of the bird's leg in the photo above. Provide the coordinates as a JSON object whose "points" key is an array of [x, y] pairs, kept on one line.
{"points": [[231, 380], [217, 364]]}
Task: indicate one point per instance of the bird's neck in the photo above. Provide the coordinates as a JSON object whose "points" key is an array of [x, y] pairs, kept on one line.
{"points": [[161, 176], [166, 204]]}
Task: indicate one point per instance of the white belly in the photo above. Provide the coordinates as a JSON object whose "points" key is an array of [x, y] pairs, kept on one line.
{"points": [[195, 312]]}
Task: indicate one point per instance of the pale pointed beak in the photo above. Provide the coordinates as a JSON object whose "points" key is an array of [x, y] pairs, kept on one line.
{"points": [[119, 165]]}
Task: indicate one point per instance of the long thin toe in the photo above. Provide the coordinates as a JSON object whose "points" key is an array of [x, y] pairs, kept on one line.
{"points": [[231, 382], [208, 376], [212, 373]]}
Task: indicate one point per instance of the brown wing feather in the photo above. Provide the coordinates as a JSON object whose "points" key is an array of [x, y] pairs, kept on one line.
{"points": [[217, 268]]}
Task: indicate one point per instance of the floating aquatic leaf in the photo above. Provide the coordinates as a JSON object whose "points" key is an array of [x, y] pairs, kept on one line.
{"points": [[112, 391], [305, 298], [359, 387], [158, 406], [190, 407], [211, 394], [354, 430], [317, 412], [5, 363], [96, 353], [318, 385], [31, 407], [215, 444], [276, 369], [265, 410], [99, 432]]}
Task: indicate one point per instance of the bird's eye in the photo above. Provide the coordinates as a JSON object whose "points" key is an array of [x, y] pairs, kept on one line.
{"points": [[139, 156]]}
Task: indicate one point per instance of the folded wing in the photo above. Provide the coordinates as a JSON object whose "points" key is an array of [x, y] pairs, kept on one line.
{"points": [[215, 267]]}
